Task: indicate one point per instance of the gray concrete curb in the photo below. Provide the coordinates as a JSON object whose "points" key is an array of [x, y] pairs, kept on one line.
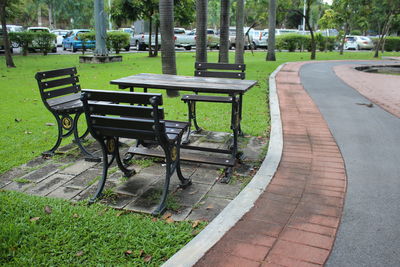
{"points": [[198, 246]]}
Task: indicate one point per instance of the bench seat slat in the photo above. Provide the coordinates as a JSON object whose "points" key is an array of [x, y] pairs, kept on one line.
{"points": [[56, 73], [123, 122], [219, 74], [176, 124], [124, 110], [59, 82], [64, 99], [62, 91], [219, 66], [122, 97], [125, 133], [207, 98]]}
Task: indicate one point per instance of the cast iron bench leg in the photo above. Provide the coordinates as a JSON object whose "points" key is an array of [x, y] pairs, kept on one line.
{"points": [[78, 140], [59, 138]]}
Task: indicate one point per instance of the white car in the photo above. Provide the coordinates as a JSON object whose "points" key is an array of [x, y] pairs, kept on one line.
{"points": [[358, 43], [60, 36]]}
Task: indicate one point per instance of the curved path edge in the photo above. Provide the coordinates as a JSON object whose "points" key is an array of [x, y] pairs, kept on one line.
{"points": [[198, 246]]}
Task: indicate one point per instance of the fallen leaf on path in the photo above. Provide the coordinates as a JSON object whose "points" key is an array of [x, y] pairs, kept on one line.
{"points": [[79, 253], [209, 207], [154, 219], [121, 213], [17, 120], [48, 209], [166, 215], [34, 219], [75, 215], [195, 223], [193, 192], [147, 258], [128, 252], [170, 220]]}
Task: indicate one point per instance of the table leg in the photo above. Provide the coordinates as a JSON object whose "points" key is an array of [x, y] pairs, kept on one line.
{"points": [[240, 114]]}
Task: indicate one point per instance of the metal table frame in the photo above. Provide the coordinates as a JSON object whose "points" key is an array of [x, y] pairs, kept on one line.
{"points": [[232, 87]]}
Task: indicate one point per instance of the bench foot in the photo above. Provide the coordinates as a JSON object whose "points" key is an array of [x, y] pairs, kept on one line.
{"points": [[228, 175]]}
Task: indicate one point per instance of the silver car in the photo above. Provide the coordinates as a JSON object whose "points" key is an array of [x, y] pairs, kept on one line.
{"points": [[358, 43]]}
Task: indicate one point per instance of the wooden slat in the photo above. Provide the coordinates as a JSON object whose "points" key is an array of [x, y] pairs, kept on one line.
{"points": [[121, 97], [55, 73], [59, 82], [76, 104], [124, 110], [123, 132], [176, 124], [62, 91], [186, 83], [63, 99], [219, 74], [207, 98], [219, 66], [192, 157], [123, 122]]}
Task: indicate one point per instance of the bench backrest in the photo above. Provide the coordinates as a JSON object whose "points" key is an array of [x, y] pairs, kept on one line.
{"points": [[124, 114], [58, 86], [236, 71]]}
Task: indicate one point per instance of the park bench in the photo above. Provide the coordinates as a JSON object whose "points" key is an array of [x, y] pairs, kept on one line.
{"points": [[112, 115], [60, 92], [216, 70]]}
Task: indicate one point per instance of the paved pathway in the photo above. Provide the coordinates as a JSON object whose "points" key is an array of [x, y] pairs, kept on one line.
{"points": [[296, 219]]}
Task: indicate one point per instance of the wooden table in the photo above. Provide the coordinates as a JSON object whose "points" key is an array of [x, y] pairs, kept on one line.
{"points": [[232, 87]]}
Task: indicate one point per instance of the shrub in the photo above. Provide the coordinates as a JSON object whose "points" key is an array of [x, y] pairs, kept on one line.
{"points": [[355, 32], [23, 39], [391, 43], [118, 41], [85, 37], [291, 42], [45, 42]]}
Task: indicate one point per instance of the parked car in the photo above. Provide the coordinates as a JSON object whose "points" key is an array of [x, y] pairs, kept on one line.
{"points": [[74, 43], [184, 40], [212, 39], [232, 38], [258, 38], [14, 28], [358, 43], [60, 35], [35, 45]]}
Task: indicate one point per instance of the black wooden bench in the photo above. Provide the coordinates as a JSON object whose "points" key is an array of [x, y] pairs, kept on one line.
{"points": [[60, 92], [218, 70], [111, 115]]}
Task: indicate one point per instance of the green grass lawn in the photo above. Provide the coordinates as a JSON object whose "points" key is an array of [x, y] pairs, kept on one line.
{"points": [[80, 235], [23, 131], [74, 234]]}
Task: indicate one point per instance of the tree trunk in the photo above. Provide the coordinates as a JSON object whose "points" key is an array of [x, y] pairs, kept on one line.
{"points": [[100, 25], [150, 36], [156, 47], [239, 43], [39, 15], [201, 31], [51, 24], [271, 30], [7, 47], [167, 39], [346, 32], [224, 32]]}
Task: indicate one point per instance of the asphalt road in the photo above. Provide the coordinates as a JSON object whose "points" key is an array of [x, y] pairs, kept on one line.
{"points": [[369, 140]]}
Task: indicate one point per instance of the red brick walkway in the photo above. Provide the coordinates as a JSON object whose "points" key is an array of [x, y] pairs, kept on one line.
{"points": [[294, 222], [381, 89]]}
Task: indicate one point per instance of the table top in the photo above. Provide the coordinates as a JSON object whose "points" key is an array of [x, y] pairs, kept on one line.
{"points": [[185, 83]]}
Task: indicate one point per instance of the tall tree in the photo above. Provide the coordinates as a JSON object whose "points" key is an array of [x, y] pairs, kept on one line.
{"points": [[201, 30], [224, 32], [3, 15], [271, 30], [239, 42], [168, 59], [100, 23]]}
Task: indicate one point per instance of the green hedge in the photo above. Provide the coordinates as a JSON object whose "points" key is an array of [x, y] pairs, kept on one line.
{"points": [[23, 39], [115, 40], [293, 42], [391, 43]]}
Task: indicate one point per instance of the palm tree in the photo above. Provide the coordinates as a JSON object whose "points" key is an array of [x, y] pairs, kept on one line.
{"points": [[167, 39], [239, 43], [201, 30], [7, 48], [271, 30], [224, 32], [100, 24]]}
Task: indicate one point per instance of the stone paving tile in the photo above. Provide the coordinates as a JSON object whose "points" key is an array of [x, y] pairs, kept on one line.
{"points": [[78, 167], [208, 208], [64, 192], [227, 191], [49, 184], [85, 178]]}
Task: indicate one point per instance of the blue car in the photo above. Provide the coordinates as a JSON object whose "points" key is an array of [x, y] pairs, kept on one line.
{"points": [[74, 43]]}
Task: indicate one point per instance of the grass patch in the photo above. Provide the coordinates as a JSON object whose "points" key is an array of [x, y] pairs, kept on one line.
{"points": [[94, 180], [24, 117], [143, 163], [22, 181], [77, 235]]}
